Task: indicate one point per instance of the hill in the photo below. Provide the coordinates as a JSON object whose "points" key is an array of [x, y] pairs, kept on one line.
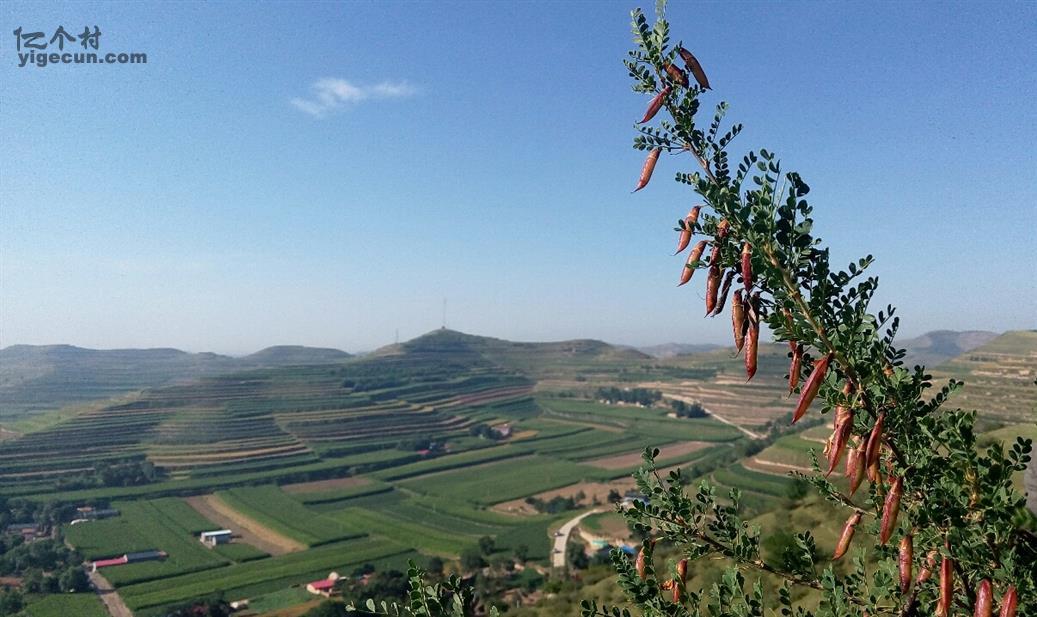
{"points": [[999, 378], [936, 347], [669, 350], [36, 379]]}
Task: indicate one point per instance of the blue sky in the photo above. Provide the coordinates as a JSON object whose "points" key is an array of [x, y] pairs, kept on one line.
{"points": [[223, 197]]}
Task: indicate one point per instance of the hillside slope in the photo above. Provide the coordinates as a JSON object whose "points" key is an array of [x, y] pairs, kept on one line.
{"points": [[40, 378]]}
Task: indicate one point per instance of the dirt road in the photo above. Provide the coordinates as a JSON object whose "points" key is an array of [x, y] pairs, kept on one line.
{"points": [[562, 537], [111, 599], [250, 532]]}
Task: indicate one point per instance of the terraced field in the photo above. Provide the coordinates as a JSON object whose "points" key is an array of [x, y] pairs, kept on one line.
{"points": [[374, 460], [999, 378]]}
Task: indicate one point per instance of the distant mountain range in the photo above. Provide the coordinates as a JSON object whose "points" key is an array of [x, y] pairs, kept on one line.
{"points": [[40, 378], [36, 379], [939, 346], [669, 350]]}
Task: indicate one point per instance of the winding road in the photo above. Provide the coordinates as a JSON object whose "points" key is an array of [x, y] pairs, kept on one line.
{"points": [[561, 537]]}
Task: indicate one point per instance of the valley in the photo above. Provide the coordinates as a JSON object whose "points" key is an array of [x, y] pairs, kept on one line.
{"points": [[435, 448]]}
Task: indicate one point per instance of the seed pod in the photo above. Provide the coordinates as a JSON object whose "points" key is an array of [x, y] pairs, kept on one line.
{"points": [[747, 266], [726, 287], [752, 344], [851, 459], [1009, 602], [639, 564], [678, 590], [943, 608], [738, 320], [927, 569], [847, 535], [984, 600], [667, 584], [810, 388], [874, 446], [682, 570], [648, 168], [795, 365], [676, 74], [689, 228], [723, 227], [904, 561], [891, 509], [842, 432], [656, 104], [694, 66], [859, 470], [887, 370], [712, 287], [692, 262]]}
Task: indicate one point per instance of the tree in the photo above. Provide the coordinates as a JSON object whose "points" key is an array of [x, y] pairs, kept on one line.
{"points": [[74, 579], [471, 559], [575, 557], [486, 545], [942, 511]]}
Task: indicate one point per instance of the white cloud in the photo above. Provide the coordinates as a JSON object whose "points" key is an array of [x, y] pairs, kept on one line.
{"points": [[332, 93]]}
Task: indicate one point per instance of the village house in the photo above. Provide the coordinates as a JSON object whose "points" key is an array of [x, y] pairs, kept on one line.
{"points": [[150, 555], [220, 536], [324, 587]]}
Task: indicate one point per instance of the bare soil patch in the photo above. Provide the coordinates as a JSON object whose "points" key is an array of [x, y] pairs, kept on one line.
{"points": [[630, 459], [250, 531], [325, 485]]}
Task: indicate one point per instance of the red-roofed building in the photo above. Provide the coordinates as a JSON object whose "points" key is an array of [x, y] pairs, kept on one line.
{"points": [[324, 587], [105, 563]]}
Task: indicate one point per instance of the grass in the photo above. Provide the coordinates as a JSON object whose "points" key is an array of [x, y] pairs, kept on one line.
{"points": [[65, 605], [142, 525], [239, 552], [262, 576], [273, 508], [502, 481]]}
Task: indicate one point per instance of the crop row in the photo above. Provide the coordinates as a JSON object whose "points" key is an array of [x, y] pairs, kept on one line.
{"points": [[271, 507]]}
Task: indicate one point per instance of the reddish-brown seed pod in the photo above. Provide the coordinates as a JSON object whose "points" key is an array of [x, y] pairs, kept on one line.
{"points": [[667, 584], [847, 535], [682, 570], [984, 600], [840, 436], [639, 564], [943, 607], [723, 227], [738, 320], [874, 447], [724, 289], [859, 470], [693, 262], [904, 561], [851, 459], [1009, 602], [747, 266], [810, 388], [648, 168], [676, 74], [752, 337], [656, 104], [795, 365], [689, 228], [678, 590], [927, 569], [712, 287], [694, 66], [891, 509]]}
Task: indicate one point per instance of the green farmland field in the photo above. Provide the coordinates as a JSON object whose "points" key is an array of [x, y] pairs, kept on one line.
{"points": [[273, 508], [502, 481]]}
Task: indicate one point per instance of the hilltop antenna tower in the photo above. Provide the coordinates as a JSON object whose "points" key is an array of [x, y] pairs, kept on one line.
{"points": [[444, 313]]}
